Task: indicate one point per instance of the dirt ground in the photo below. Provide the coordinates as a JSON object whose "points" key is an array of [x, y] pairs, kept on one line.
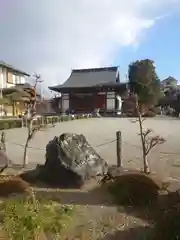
{"points": [[98, 218], [101, 133]]}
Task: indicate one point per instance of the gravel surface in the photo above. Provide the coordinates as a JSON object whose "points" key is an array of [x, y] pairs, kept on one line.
{"points": [[101, 133], [99, 219]]}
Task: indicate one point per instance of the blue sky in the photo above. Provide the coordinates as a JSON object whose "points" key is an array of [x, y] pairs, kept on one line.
{"points": [[51, 38], [161, 44]]}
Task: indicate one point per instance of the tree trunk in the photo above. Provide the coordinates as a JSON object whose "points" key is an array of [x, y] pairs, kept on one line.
{"points": [[146, 165], [25, 160], [145, 161], [29, 123], [29, 126]]}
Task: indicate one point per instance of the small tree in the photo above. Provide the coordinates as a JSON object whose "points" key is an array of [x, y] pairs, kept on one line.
{"points": [[31, 107], [147, 142], [143, 80], [4, 101]]}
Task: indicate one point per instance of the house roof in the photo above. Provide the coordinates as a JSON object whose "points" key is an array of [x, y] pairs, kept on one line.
{"points": [[25, 85], [3, 64], [169, 79], [91, 77]]}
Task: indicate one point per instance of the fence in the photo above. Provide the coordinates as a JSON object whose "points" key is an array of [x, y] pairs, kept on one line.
{"points": [[123, 152], [8, 123]]}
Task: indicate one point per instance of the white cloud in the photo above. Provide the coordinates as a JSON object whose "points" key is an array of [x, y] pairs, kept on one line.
{"points": [[52, 37]]}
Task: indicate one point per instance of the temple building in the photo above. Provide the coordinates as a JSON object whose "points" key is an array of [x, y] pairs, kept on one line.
{"points": [[88, 89]]}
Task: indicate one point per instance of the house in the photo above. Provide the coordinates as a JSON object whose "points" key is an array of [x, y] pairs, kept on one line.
{"points": [[169, 83], [88, 89], [10, 77], [22, 95]]}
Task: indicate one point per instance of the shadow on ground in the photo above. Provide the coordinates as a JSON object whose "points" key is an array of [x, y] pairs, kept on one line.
{"points": [[100, 204], [131, 233], [94, 194]]}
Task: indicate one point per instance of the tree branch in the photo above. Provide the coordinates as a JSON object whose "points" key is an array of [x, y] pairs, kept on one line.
{"points": [[153, 142]]}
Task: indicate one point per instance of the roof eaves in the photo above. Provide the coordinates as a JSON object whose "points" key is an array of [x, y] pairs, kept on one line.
{"points": [[3, 64], [115, 68], [53, 88]]}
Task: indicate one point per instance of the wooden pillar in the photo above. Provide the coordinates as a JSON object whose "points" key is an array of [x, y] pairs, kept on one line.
{"points": [[118, 148], [70, 102], [14, 108]]}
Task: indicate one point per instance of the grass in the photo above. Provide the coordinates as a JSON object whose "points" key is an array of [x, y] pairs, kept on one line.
{"points": [[22, 220], [108, 224], [90, 220]]}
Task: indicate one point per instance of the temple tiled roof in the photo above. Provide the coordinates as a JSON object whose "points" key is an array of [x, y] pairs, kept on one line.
{"points": [[92, 77]]}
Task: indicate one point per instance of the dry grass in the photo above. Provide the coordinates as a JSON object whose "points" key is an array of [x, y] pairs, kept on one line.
{"points": [[96, 217], [108, 223]]}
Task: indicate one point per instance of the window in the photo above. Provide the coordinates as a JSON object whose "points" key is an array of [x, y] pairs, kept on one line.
{"points": [[23, 80], [1, 80], [14, 79], [18, 80]]}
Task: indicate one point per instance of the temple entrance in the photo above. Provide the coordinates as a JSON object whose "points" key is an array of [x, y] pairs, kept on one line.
{"points": [[86, 102]]}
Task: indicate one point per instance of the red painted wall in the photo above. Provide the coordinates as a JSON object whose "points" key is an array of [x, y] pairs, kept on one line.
{"points": [[100, 101], [87, 103]]}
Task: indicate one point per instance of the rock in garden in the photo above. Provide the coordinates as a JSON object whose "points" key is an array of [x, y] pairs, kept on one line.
{"points": [[4, 159], [70, 161]]}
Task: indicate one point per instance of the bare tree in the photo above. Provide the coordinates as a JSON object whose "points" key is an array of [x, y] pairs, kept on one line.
{"points": [[31, 110], [3, 168], [148, 142]]}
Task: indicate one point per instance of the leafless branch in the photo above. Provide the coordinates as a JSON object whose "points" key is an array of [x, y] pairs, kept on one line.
{"points": [[157, 140], [31, 110], [3, 168], [147, 132], [147, 143]]}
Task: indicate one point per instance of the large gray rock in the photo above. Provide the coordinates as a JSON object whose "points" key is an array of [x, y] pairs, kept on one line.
{"points": [[70, 160], [4, 160]]}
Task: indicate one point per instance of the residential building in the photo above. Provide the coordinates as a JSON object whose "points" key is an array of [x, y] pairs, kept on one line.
{"points": [[168, 84], [10, 77]]}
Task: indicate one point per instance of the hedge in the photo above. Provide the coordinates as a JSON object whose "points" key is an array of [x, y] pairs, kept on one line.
{"points": [[17, 123]]}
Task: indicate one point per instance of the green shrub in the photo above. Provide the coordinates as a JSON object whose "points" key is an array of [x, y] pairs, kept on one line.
{"points": [[17, 123], [149, 114], [134, 189], [55, 119], [72, 117], [45, 120], [156, 110], [21, 220], [10, 123], [65, 118]]}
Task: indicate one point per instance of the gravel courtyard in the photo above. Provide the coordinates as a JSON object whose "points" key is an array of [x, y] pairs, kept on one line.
{"points": [[101, 133]]}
